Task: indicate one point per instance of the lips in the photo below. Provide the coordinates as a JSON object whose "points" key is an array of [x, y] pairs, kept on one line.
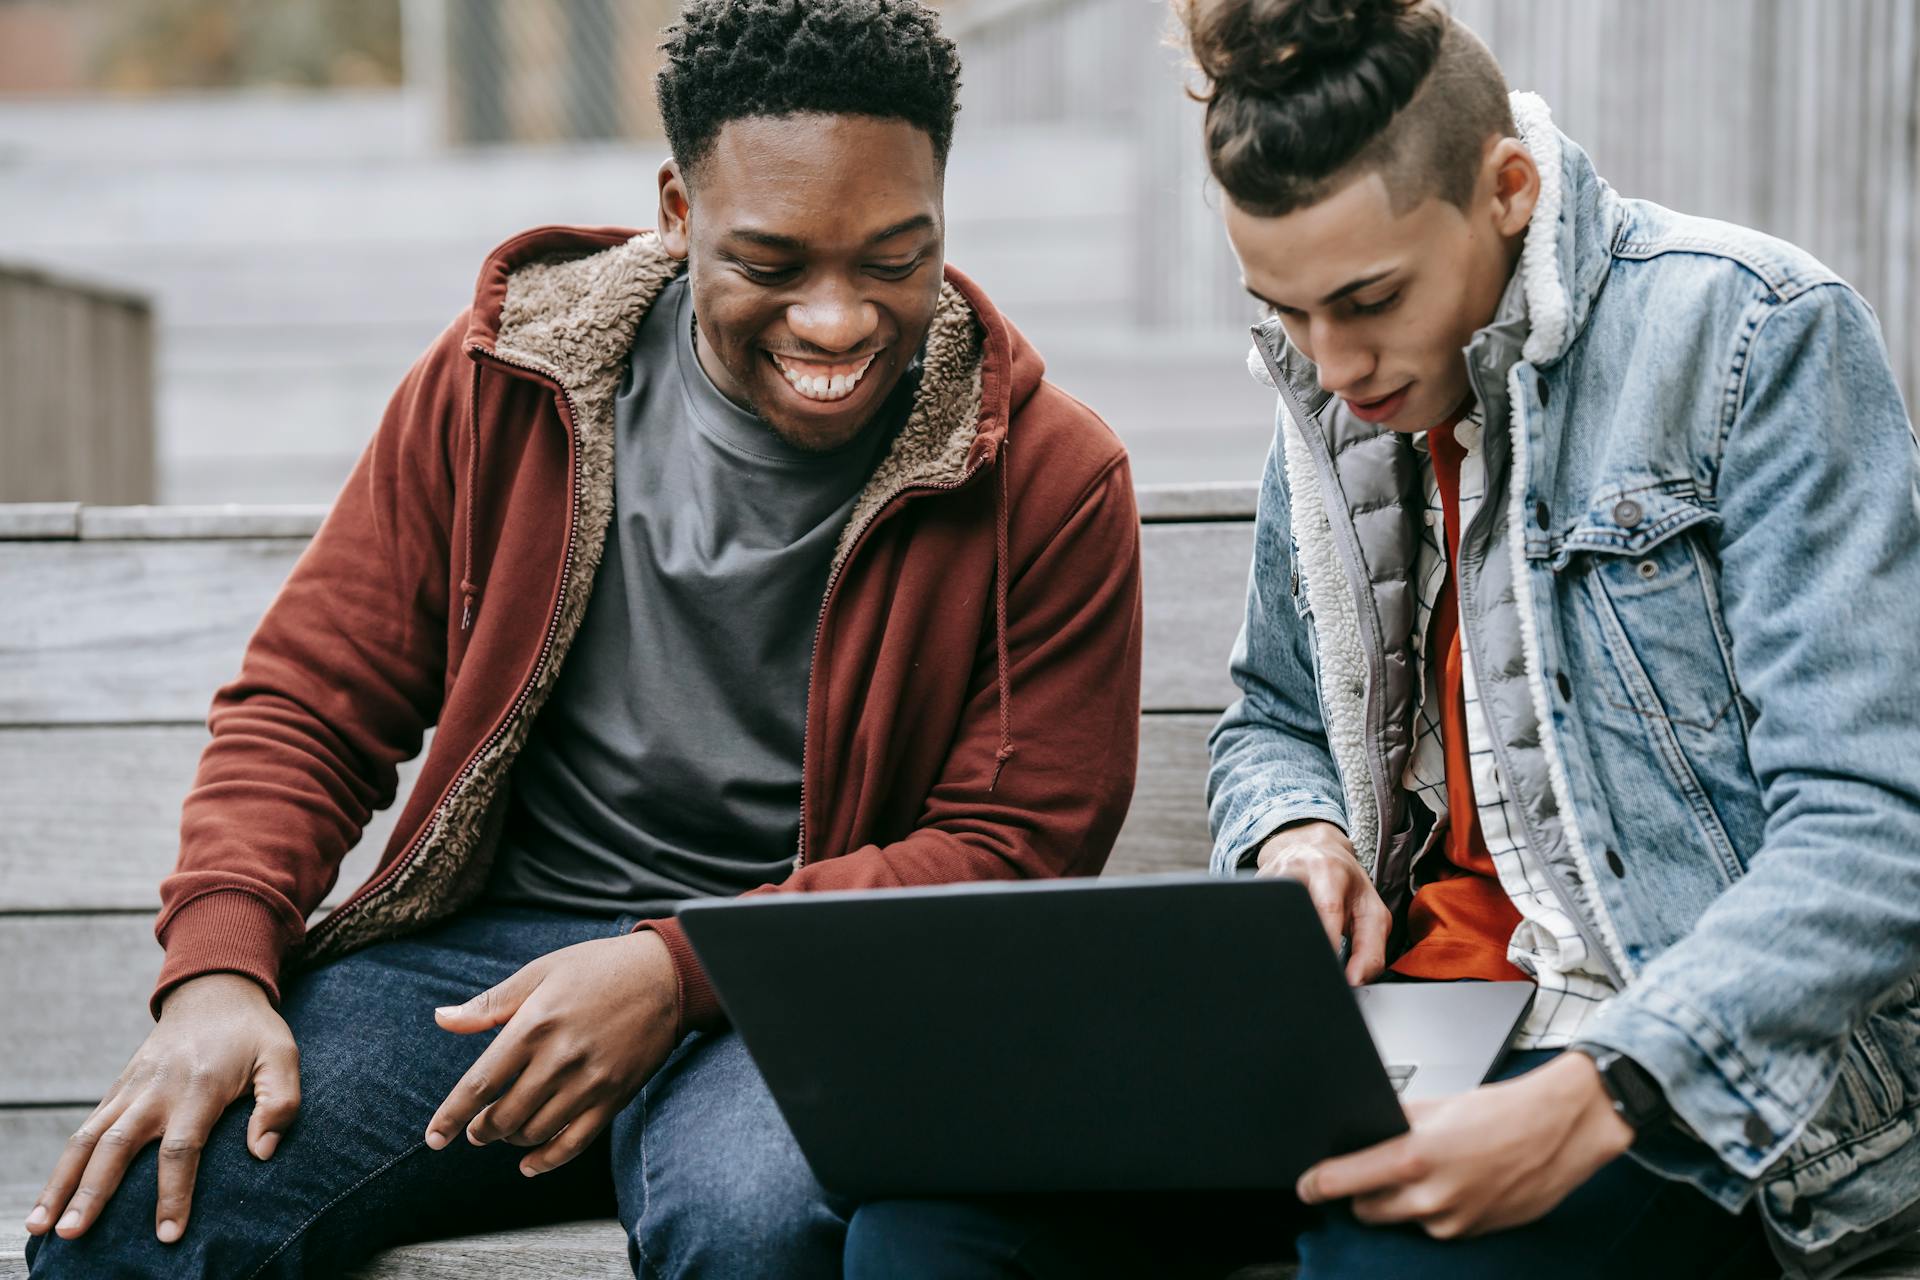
{"points": [[821, 381], [1381, 409]]}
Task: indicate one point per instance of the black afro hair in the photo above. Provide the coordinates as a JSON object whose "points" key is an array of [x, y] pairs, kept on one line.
{"points": [[728, 59]]}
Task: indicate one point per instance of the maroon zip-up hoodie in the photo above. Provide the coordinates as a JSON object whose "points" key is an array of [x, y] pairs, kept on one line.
{"points": [[973, 711]]}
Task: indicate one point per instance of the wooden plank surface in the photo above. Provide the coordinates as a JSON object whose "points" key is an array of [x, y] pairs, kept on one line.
{"points": [[30, 1141], [1167, 826], [37, 520], [592, 1250], [1195, 580], [67, 1028], [106, 632], [112, 632], [189, 522], [1224, 500], [71, 844], [595, 1249], [97, 995], [1158, 504]]}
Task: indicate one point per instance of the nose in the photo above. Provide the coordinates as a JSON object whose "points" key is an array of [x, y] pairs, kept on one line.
{"points": [[1345, 365], [833, 318]]}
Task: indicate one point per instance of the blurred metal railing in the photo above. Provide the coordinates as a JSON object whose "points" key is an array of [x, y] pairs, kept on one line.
{"points": [[539, 71]]}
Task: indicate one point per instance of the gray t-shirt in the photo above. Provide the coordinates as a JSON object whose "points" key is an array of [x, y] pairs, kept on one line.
{"points": [[666, 764]]}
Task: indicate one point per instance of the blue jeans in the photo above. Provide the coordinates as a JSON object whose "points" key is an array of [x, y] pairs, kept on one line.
{"points": [[699, 1166], [1624, 1221]]}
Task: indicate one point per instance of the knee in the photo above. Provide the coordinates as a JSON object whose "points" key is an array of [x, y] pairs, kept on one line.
{"points": [[743, 1219], [225, 1234], [121, 1240], [119, 1243]]}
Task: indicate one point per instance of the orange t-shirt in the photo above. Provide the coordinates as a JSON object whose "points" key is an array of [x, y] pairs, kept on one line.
{"points": [[1458, 925]]}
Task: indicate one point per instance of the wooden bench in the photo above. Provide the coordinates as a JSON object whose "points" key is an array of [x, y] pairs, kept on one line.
{"points": [[118, 624]]}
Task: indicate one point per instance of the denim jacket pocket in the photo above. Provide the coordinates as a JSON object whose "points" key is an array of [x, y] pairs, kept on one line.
{"points": [[1876, 1083], [1639, 574], [1644, 561]]}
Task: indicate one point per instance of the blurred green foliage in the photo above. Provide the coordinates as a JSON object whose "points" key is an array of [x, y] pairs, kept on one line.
{"points": [[144, 45]]}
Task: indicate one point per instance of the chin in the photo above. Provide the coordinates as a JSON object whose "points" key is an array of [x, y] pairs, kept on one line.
{"points": [[821, 426], [814, 437], [1424, 417]]}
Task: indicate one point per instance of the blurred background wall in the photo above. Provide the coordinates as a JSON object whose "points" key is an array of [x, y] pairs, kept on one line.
{"points": [[303, 191]]}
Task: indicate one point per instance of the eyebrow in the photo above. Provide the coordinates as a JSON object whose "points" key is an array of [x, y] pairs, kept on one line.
{"points": [[1351, 286], [792, 244]]}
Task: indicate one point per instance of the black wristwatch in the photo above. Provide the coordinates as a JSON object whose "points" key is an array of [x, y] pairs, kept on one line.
{"points": [[1637, 1097]]}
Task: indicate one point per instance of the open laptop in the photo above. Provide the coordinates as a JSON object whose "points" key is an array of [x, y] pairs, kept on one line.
{"points": [[1156, 1032]]}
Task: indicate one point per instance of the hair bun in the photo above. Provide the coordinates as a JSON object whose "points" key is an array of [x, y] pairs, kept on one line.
{"points": [[1273, 46]]}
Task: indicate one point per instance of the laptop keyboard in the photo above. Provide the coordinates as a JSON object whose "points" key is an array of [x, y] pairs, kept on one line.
{"points": [[1398, 1074]]}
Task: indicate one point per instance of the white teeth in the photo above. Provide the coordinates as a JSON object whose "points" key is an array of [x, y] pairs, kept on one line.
{"points": [[824, 387]]}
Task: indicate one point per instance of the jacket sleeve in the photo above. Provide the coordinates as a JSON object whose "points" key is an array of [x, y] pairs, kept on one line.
{"points": [[1074, 641], [337, 687], [1819, 490], [1271, 763]]}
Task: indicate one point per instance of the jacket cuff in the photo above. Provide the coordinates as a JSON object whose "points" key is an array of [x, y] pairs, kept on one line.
{"points": [[1235, 852], [1711, 1089], [226, 931], [699, 1008]]}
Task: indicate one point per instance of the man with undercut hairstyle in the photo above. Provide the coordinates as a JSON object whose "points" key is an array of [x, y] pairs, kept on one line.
{"points": [[1580, 649], [749, 554]]}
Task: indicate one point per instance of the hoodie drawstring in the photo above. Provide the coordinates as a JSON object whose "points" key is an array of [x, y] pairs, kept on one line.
{"points": [[469, 589], [1000, 559]]}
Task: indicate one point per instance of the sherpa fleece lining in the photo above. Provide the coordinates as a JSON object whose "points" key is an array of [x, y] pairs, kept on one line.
{"points": [[574, 320]]}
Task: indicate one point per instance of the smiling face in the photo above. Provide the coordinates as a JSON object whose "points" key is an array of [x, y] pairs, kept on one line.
{"points": [[1385, 302], [814, 247]]}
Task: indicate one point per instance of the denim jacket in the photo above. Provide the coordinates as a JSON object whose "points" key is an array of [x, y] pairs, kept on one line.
{"points": [[1703, 537]]}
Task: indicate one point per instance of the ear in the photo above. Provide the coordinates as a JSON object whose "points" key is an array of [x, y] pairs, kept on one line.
{"points": [[1515, 185], [676, 209]]}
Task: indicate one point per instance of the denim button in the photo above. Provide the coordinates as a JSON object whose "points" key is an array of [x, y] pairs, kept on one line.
{"points": [[1541, 515], [1627, 513], [1565, 685], [1616, 866], [1758, 1135]]}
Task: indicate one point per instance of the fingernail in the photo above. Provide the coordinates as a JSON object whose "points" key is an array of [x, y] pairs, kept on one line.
{"points": [[446, 1010], [69, 1220], [436, 1139], [268, 1144], [529, 1171], [169, 1231], [476, 1139], [38, 1218]]}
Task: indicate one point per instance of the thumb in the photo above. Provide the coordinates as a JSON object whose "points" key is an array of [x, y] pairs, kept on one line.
{"points": [[1420, 1110], [276, 1098], [490, 1008]]}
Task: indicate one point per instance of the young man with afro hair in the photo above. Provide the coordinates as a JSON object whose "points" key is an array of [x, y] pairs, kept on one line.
{"points": [[747, 554]]}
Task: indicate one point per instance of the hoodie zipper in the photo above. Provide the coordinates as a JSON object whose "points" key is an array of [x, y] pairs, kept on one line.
{"points": [[820, 627], [400, 864]]}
